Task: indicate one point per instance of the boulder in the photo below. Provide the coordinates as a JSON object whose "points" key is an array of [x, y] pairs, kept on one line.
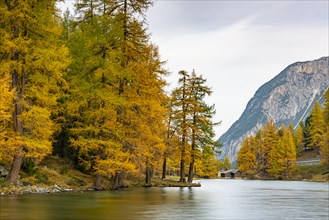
{"points": [[3, 171]]}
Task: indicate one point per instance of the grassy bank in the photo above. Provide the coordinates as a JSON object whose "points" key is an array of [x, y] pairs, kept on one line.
{"points": [[313, 173], [59, 175]]}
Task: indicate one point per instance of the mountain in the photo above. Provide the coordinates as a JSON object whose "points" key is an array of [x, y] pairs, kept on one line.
{"points": [[287, 98]]}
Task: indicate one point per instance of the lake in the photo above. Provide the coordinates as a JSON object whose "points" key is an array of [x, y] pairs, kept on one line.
{"points": [[216, 199]]}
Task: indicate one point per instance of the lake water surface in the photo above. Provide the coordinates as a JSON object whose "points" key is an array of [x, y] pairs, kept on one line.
{"points": [[216, 199]]}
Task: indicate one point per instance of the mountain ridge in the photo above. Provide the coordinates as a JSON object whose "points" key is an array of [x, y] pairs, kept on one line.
{"points": [[286, 98]]}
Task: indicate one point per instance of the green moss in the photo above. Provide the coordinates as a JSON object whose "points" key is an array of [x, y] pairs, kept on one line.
{"points": [[4, 183]]}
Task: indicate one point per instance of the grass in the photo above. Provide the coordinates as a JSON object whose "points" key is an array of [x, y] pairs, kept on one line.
{"points": [[53, 171], [313, 172], [308, 155], [57, 171]]}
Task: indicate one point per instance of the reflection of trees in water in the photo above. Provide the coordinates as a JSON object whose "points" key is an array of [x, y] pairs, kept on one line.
{"points": [[217, 199], [186, 194], [167, 203]]}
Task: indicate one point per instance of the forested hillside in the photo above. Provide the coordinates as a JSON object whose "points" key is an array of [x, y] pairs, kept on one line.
{"points": [[89, 88], [273, 151]]}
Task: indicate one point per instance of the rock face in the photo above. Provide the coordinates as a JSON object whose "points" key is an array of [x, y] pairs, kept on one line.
{"points": [[287, 98]]}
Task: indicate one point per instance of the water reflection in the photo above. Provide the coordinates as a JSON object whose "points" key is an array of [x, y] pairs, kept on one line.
{"points": [[216, 199]]}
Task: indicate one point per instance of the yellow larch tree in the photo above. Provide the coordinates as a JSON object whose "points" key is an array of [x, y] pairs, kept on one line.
{"points": [[299, 138], [324, 145], [283, 155], [6, 108], [268, 140], [246, 158], [316, 127], [35, 59], [117, 96]]}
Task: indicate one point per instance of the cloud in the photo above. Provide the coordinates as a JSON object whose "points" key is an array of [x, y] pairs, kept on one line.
{"points": [[199, 16], [239, 58]]}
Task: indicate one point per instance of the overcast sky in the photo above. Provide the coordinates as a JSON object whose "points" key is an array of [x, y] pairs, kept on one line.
{"points": [[237, 45]]}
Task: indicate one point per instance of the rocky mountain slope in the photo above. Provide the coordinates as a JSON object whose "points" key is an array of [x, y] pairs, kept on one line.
{"points": [[287, 98]]}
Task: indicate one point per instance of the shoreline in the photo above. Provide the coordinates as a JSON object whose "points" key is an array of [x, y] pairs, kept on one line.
{"points": [[13, 190], [46, 189]]}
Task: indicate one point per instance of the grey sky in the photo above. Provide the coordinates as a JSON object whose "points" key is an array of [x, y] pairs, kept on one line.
{"points": [[237, 45]]}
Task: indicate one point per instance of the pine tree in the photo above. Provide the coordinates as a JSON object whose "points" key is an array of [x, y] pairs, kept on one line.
{"points": [[34, 57]]}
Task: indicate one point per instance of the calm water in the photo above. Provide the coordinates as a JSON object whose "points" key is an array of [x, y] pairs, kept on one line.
{"points": [[216, 199]]}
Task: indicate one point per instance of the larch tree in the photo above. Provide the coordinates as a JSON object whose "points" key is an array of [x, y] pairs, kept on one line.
{"points": [[268, 140], [316, 127], [6, 109], [200, 120], [246, 158], [324, 145], [283, 155], [117, 91], [92, 102], [182, 109], [207, 163], [35, 59], [171, 139], [139, 81], [299, 138], [225, 165]]}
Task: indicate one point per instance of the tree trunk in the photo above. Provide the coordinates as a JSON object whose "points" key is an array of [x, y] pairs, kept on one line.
{"points": [[97, 182], [164, 168], [190, 172], [182, 168], [116, 181], [19, 85], [148, 176], [120, 180], [15, 168]]}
